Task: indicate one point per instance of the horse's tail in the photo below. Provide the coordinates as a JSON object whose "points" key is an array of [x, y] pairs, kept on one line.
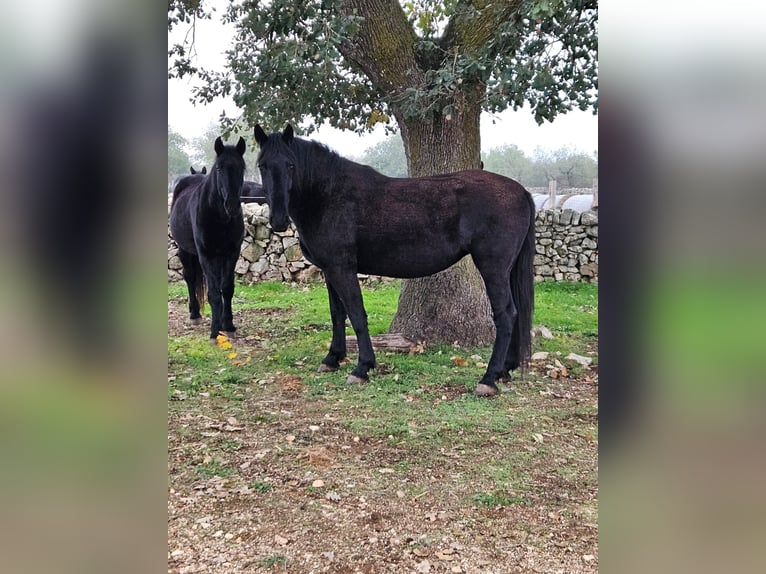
{"points": [[523, 289]]}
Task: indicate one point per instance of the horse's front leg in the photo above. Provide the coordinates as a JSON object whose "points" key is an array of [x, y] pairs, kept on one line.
{"points": [[338, 345], [212, 271], [346, 286], [227, 293]]}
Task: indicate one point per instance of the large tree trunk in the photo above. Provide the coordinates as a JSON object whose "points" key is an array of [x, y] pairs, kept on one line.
{"points": [[451, 306]]}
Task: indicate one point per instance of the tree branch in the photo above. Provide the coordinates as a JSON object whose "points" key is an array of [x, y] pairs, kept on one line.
{"points": [[473, 27], [384, 45]]}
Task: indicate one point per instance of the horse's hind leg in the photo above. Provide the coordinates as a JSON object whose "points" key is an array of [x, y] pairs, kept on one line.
{"points": [[512, 361], [504, 316], [192, 272], [338, 345], [346, 286]]}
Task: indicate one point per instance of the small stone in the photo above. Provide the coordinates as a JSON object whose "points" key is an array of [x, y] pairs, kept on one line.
{"points": [[543, 332], [584, 361]]}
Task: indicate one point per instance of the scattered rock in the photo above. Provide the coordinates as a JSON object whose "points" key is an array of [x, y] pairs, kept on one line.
{"points": [[424, 567], [543, 332], [584, 361]]}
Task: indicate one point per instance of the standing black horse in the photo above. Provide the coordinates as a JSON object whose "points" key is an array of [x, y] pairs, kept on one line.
{"points": [[352, 219], [253, 193], [207, 224]]}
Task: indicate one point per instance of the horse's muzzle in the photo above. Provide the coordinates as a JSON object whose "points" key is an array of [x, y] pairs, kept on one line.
{"points": [[281, 225]]}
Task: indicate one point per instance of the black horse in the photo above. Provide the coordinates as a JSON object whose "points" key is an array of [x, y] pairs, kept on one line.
{"points": [[185, 182], [352, 219], [253, 193], [207, 224]]}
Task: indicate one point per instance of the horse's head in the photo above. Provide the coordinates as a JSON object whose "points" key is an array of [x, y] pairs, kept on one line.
{"points": [[229, 172], [276, 163]]}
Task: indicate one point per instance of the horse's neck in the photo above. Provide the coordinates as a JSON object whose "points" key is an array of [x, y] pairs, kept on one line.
{"points": [[209, 197]]}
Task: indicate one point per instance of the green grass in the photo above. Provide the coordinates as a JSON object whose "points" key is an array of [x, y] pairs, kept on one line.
{"points": [[214, 468], [499, 498], [421, 405], [570, 311], [271, 561], [297, 338]]}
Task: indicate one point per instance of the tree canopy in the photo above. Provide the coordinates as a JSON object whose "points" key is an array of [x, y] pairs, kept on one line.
{"points": [[178, 159], [308, 61]]}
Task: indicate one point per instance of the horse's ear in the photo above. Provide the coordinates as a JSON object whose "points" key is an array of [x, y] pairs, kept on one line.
{"points": [[194, 171], [218, 145], [260, 135], [241, 146], [287, 135], [204, 169]]}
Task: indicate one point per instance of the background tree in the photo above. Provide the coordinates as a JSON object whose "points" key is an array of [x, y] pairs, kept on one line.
{"points": [[510, 161], [387, 157], [432, 66], [568, 167], [203, 152], [178, 159]]}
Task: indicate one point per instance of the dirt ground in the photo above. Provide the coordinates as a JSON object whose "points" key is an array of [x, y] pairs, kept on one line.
{"points": [[291, 488]]}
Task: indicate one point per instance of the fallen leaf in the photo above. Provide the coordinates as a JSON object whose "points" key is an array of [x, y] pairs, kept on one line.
{"points": [[318, 483], [424, 567], [281, 540], [223, 341], [385, 470], [459, 361]]}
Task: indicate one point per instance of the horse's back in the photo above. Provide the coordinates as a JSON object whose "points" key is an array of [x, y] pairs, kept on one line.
{"points": [[411, 227], [253, 192], [445, 199], [180, 211]]}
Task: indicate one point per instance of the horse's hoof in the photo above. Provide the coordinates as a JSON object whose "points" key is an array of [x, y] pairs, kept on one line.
{"points": [[354, 380], [483, 390], [230, 334], [196, 321], [325, 368]]}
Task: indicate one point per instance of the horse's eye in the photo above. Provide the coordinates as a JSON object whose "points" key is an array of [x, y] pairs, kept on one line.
{"points": [[290, 166]]}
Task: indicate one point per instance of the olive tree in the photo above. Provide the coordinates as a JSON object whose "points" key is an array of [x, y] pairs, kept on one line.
{"points": [[424, 67]]}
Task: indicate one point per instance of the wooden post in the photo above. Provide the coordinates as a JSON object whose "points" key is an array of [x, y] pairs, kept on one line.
{"points": [[552, 194], [595, 193]]}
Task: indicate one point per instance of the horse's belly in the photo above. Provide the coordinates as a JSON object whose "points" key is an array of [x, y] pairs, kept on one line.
{"points": [[406, 263]]}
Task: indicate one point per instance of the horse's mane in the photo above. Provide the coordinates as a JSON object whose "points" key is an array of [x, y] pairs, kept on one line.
{"points": [[320, 163]]}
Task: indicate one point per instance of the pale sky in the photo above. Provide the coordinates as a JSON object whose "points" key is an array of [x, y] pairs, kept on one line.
{"points": [[577, 129]]}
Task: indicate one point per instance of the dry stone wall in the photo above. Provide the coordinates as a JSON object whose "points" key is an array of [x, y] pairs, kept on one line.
{"points": [[566, 245], [566, 250]]}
